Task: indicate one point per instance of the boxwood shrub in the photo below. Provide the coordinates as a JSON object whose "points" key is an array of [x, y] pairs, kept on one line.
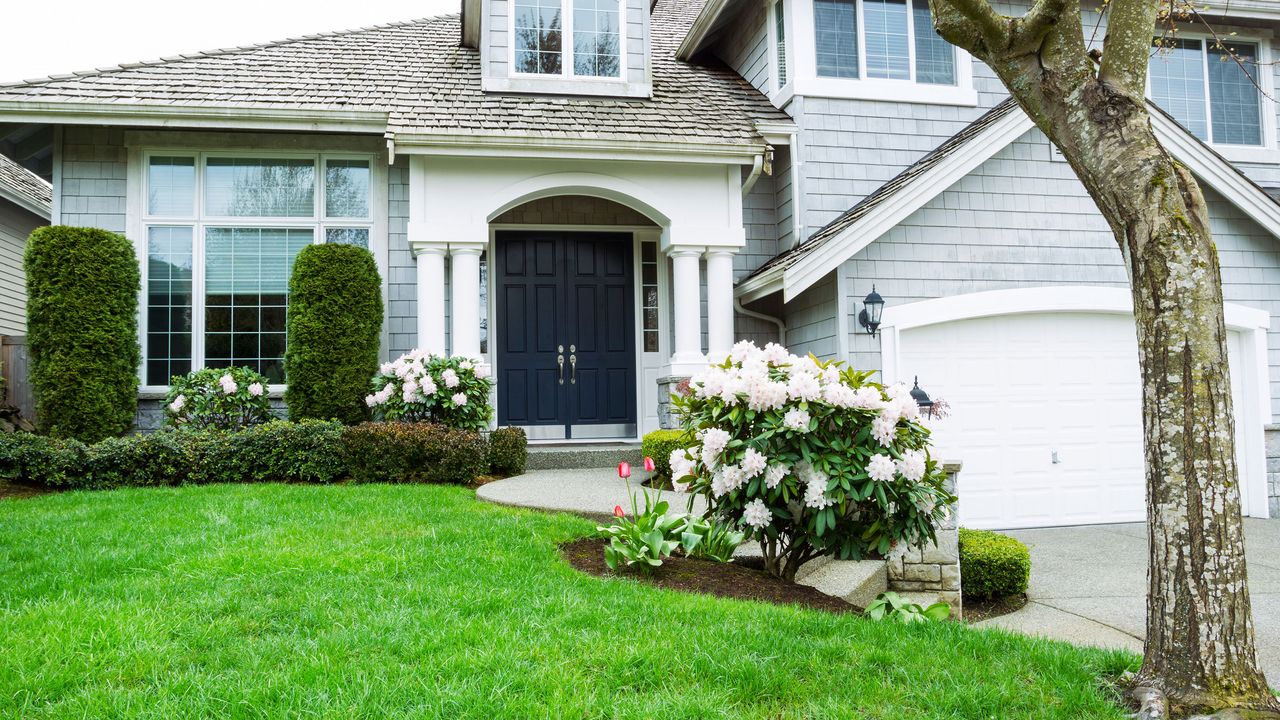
{"points": [[334, 328], [508, 451], [659, 444], [82, 331], [993, 565], [414, 452]]}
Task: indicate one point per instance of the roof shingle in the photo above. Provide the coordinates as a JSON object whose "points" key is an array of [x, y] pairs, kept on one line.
{"points": [[24, 186]]}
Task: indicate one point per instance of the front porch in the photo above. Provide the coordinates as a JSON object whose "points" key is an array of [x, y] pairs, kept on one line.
{"points": [[580, 283]]}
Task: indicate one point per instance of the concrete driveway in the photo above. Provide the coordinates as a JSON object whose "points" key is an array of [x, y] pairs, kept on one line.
{"points": [[1089, 584]]}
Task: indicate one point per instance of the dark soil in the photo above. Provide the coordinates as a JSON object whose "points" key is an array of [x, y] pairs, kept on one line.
{"points": [[976, 610], [731, 580], [11, 491]]}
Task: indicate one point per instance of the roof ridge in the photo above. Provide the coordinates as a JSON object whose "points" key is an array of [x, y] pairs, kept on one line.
{"points": [[218, 52]]}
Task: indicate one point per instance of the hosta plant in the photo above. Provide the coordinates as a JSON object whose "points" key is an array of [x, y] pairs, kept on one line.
{"points": [[421, 387], [892, 606], [716, 539], [811, 457], [223, 398]]}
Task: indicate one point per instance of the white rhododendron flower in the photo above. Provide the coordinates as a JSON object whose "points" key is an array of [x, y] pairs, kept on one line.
{"points": [[714, 441], [178, 403], [756, 514], [459, 399], [753, 463], [450, 378], [255, 389], [774, 475], [796, 419], [681, 465], [868, 398], [804, 386], [897, 391], [743, 350], [912, 465], [776, 354], [228, 384], [881, 468], [839, 394], [466, 365], [883, 429], [815, 495], [764, 395], [482, 371]]}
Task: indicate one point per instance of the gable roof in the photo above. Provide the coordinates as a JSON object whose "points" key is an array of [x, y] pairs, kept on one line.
{"points": [[410, 78], [796, 269], [24, 188]]}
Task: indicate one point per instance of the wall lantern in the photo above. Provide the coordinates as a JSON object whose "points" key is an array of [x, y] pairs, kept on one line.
{"points": [[922, 399], [873, 305]]}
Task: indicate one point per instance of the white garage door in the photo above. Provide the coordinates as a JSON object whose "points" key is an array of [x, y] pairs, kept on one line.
{"points": [[1046, 415]]}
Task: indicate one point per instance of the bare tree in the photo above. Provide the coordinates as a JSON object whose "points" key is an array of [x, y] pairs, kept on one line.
{"points": [[1200, 641]]}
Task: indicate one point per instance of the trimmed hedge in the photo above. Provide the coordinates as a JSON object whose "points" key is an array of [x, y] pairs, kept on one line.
{"points": [[82, 331], [508, 451], [414, 452], [334, 328], [993, 565], [659, 444]]}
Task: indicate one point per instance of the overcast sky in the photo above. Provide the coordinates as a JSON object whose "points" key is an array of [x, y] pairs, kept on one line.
{"points": [[44, 37]]}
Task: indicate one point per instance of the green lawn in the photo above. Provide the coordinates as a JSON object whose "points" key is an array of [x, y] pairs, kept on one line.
{"points": [[413, 601]]}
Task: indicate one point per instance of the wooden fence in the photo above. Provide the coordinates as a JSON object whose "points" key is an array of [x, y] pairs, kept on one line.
{"points": [[14, 364]]}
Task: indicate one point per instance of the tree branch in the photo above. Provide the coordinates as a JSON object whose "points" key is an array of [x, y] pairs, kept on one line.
{"points": [[1030, 29], [993, 27], [1126, 50]]}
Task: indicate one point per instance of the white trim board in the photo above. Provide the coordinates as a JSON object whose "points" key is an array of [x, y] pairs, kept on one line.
{"points": [[1249, 325], [1209, 166]]}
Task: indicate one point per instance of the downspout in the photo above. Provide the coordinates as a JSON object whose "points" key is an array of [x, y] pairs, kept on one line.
{"points": [[782, 328]]}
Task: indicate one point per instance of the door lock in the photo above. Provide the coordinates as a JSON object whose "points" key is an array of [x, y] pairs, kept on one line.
{"points": [[1053, 458], [560, 361], [573, 365]]}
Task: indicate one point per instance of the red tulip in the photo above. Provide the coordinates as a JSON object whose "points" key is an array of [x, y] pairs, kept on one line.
{"points": [[648, 464], [624, 470], [617, 511]]}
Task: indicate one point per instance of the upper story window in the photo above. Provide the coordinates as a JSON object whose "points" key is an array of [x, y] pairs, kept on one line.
{"points": [[780, 40], [881, 40], [221, 232], [594, 25], [1216, 97]]}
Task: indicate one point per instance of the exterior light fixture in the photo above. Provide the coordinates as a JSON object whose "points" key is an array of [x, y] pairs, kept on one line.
{"points": [[872, 306], [922, 399]]}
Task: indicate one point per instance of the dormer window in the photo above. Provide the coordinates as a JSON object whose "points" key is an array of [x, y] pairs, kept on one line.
{"points": [[540, 28], [881, 39]]}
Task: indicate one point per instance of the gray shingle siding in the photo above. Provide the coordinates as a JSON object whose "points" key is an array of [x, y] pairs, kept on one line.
{"points": [[93, 172], [811, 320], [402, 281], [746, 47], [16, 224], [1023, 220]]}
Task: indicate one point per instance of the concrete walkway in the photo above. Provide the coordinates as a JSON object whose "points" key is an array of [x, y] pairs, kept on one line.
{"points": [[592, 492], [1089, 585]]}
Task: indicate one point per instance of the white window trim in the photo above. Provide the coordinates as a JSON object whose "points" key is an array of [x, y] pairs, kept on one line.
{"points": [[780, 94], [138, 220], [808, 83], [566, 82], [1267, 152]]}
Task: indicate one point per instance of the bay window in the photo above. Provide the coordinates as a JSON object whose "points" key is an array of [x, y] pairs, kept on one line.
{"points": [[881, 40], [1215, 97], [221, 234], [593, 27]]}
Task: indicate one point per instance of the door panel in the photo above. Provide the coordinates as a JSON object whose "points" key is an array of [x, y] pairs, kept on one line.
{"points": [[570, 295]]}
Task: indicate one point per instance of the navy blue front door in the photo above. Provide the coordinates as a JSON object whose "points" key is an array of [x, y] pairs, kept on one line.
{"points": [[566, 352]]}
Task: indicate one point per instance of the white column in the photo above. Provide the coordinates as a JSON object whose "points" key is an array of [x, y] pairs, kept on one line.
{"points": [[719, 303], [431, 298], [687, 291], [465, 305]]}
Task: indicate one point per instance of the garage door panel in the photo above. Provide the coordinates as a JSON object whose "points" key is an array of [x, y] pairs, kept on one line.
{"points": [[1022, 387]]}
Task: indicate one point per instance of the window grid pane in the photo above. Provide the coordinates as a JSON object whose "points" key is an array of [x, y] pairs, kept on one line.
{"points": [[1177, 83], [171, 186], [596, 42], [1233, 92], [538, 36], [169, 258], [886, 38], [836, 34], [347, 236], [935, 57], [780, 32], [243, 187], [346, 188], [246, 296], [649, 293]]}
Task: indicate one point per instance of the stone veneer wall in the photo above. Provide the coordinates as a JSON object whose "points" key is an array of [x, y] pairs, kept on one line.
{"points": [[1272, 433], [932, 570]]}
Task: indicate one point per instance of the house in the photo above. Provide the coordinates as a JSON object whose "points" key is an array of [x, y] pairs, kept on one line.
{"points": [[595, 217], [25, 200]]}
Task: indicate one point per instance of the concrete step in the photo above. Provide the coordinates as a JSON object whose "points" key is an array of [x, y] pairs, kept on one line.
{"points": [[577, 456], [857, 582]]}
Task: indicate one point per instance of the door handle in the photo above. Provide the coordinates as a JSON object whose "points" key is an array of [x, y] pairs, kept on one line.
{"points": [[560, 362], [573, 365]]}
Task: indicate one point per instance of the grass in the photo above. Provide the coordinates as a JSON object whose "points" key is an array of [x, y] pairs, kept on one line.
{"points": [[264, 601]]}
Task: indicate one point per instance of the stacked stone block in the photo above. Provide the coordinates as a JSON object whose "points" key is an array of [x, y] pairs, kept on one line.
{"points": [[931, 573]]}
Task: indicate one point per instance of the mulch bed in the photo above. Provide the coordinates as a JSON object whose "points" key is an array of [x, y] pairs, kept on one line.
{"points": [[979, 610], [744, 579], [16, 492]]}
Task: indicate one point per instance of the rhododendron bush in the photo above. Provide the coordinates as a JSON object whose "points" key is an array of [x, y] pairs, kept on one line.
{"points": [[811, 457], [223, 398], [419, 386]]}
